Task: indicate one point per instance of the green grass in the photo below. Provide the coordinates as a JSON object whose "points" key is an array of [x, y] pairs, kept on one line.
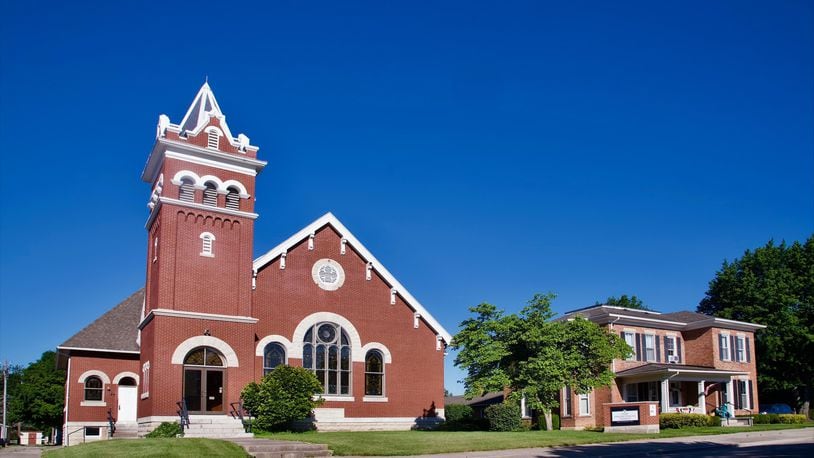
{"points": [[151, 447], [427, 442]]}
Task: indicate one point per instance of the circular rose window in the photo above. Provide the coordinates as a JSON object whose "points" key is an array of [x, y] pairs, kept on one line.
{"points": [[328, 274]]}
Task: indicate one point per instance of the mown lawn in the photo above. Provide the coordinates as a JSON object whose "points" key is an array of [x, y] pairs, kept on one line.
{"points": [[151, 447], [427, 442]]}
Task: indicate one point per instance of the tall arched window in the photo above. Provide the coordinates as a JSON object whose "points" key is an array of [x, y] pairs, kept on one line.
{"points": [[210, 195], [273, 356], [326, 352], [374, 373], [93, 388], [187, 190], [207, 244], [233, 199]]}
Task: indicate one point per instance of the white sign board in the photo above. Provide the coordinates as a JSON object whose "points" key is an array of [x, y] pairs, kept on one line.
{"points": [[652, 410], [625, 415]]}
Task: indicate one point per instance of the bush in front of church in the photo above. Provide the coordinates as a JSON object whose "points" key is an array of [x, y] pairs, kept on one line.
{"points": [[503, 417], [166, 429], [285, 395]]}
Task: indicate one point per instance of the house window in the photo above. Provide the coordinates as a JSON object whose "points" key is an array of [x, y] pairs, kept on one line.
{"points": [[210, 195], [326, 352], [584, 405], [631, 392], [631, 342], [675, 394], [566, 402], [93, 388], [273, 356], [670, 352], [186, 191], [743, 394], [374, 373], [233, 199], [740, 349], [207, 244], [650, 347], [723, 347], [91, 431]]}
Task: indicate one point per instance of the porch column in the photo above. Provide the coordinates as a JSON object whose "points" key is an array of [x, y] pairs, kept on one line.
{"points": [[730, 396], [702, 397], [665, 395]]}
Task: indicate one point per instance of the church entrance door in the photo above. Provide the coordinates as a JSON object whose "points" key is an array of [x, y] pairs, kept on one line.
{"points": [[203, 381]]}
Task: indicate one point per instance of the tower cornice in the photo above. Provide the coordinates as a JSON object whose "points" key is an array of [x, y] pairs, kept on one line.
{"points": [[170, 148]]}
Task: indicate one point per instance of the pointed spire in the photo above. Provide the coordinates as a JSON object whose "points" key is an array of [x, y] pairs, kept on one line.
{"points": [[203, 106]]}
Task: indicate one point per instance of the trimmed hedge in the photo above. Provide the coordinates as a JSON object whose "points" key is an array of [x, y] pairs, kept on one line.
{"points": [[685, 420], [774, 418], [166, 429], [457, 412], [503, 417], [461, 417]]}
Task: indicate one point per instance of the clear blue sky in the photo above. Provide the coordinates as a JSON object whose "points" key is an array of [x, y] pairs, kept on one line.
{"points": [[482, 151]]}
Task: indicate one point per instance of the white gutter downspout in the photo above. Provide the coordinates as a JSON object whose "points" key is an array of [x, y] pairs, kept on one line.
{"points": [[67, 403], [613, 362]]}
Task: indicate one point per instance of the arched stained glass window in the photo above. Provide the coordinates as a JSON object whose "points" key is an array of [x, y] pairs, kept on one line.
{"points": [[326, 352], [273, 356], [374, 373]]}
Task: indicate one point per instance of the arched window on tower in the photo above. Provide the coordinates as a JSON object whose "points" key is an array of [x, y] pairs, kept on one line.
{"points": [[326, 352], [233, 198], [374, 373], [210, 195], [207, 244], [273, 356], [93, 388], [186, 191]]}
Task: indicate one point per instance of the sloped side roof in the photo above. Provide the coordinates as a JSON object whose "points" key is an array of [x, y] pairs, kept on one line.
{"points": [[686, 316], [330, 219], [116, 330]]}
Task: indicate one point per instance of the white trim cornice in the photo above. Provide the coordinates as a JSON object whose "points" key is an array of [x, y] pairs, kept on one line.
{"points": [[104, 350], [197, 206], [191, 153], [196, 316], [193, 159]]}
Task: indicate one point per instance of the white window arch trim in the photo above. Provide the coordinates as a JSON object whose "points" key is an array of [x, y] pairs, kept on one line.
{"points": [[118, 378], [207, 244], [388, 359], [357, 355], [192, 343], [199, 181], [261, 345], [92, 372]]}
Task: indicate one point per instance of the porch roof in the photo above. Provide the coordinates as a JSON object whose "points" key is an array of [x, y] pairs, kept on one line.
{"points": [[656, 369]]}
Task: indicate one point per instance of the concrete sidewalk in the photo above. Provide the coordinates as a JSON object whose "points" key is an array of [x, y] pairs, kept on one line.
{"points": [[786, 443]]}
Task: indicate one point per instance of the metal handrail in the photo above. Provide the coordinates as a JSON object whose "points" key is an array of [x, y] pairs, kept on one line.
{"points": [[68, 436], [237, 413], [183, 413], [111, 423]]}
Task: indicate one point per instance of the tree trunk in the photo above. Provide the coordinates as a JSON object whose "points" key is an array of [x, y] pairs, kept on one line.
{"points": [[548, 423], [806, 400]]}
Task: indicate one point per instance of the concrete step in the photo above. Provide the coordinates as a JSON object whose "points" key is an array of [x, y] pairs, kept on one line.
{"points": [[268, 448]]}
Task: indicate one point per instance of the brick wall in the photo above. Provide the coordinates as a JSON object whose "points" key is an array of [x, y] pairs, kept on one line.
{"points": [[108, 363]]}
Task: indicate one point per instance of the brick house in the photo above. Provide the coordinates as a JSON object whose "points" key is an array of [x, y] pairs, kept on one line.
{"points": [[682, 362], [211, 319]]}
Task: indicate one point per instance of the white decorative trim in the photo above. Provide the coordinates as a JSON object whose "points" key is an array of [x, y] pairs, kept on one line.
{"points": [[378, 346], [330, 219], [368, 271], [145, 395], [92, 372], [340, 274], [342, 244], [122, 375], [357, 355], [334, 398], [311, 242], [104, 350], [93, 403], [416, 320], [375, 399], [197, 316], [274, 338], [205, 341], [197, 206], [393, 292], [181, 174], [211, 163], [282, 259], [243, 192]]}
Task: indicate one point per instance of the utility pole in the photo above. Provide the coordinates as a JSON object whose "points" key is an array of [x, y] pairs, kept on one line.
{"points": [[4, 432]]}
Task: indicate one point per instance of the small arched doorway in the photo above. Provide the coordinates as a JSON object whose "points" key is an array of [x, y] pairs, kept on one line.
{"points": [[203, 380], [128, 398]]}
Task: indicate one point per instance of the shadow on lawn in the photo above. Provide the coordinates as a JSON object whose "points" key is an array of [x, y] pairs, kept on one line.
{"points": [[681, 449]]}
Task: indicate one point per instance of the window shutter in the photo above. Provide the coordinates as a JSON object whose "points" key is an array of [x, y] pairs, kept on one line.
{"points": [[678, 349], [748, 353], [751, 399], [666, 348], [658, 349], [733, 352], [736, 388], [638, 339]]}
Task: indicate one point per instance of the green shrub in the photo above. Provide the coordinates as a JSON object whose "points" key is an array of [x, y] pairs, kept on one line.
{"points": [[682, 420], [285, 395], [555, 421], [457, 412], [166, 429], [713, 420], [765, 419], [503, 417], [791, 419]]}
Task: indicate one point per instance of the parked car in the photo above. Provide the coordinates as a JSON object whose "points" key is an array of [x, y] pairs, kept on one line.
{"points": [[776, 408]]}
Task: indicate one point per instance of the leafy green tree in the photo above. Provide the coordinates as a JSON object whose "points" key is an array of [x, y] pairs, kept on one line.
{"points": [[631, 302], [773, 285], [534, 356], [37, 394], [286, 394]]}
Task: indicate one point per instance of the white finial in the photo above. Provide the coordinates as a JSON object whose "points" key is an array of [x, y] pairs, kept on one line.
{"points": [[243, 141], [163, 122]]}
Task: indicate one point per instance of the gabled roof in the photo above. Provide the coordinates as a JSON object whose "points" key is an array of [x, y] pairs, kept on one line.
{"points": [[115, 331], [330, 220], [203, 106], [493, 397]]}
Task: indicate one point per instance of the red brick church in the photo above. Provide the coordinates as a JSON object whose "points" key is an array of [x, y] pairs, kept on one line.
{"points": [[211, 319]]}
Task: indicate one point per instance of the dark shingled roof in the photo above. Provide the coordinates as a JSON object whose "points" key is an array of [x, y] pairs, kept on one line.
{"points": [[115, 330], [686, 317], [488, 398], [656, 367]]}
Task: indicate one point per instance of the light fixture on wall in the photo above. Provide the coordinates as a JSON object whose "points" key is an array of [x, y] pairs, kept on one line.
{"points": [[207, 332]]}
